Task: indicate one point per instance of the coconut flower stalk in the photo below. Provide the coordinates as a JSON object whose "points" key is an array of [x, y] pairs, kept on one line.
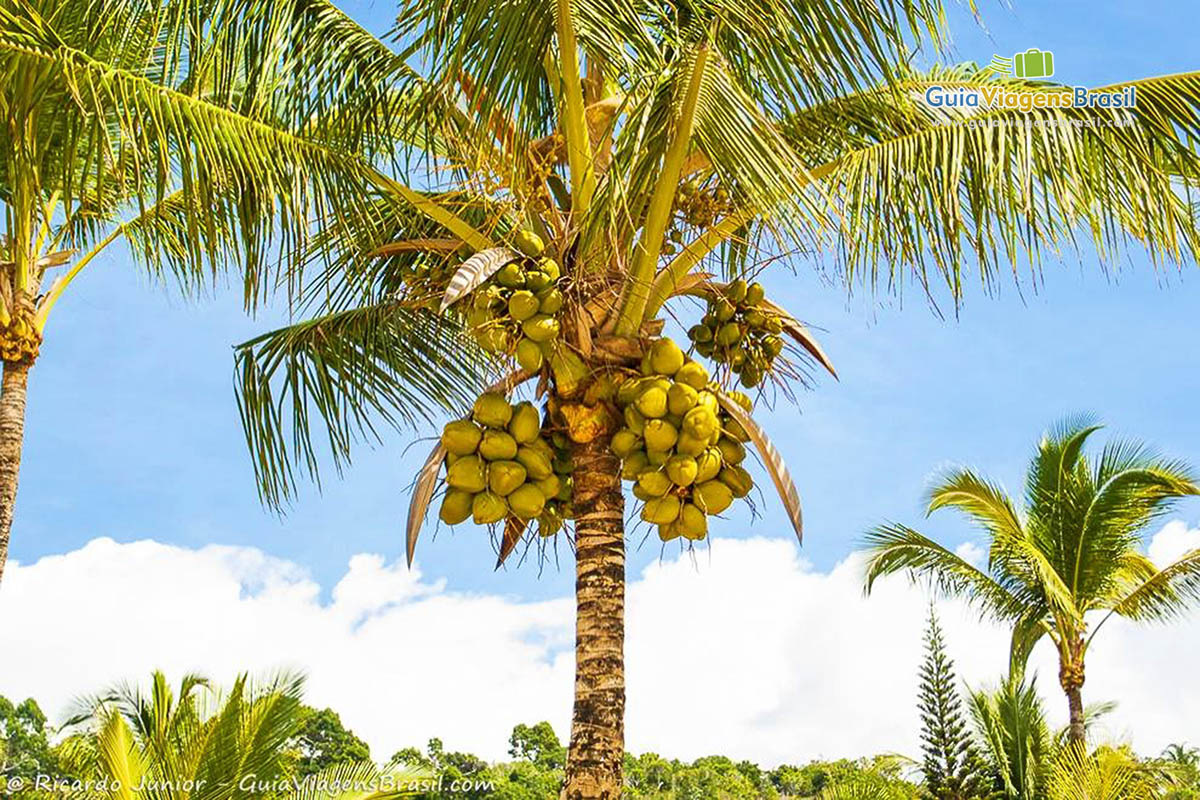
{"points": [[571, 173]]}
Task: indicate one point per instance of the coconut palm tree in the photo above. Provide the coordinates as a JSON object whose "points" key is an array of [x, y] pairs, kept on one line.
{"points": [[630, 144], [197, 742], [203, 132], [1070, 555]]}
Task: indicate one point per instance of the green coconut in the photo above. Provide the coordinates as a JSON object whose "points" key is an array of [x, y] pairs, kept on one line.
{"points": [[693, 374], [625, 442], [505, 476], [737, 479], [550, 301], [708, 465], [566, 488], [732, 451], [529, 243], [661, 510], [510, 276], [550, 267], [690, 446], [526, 423], [529, 355], [540, 328], [755, 294], [527, 502], [461, 437], [692, 522], [681, 398], [658, 458], [497, 446], [654, 482], [550, 487], [652, 402], [627, 392], [659, 434], [665, 357], [642, 494], [682, 470], [536, 463], [701, 423], [492, 409], [537, 281], [469, 474], [668, 532], [634, 421], [712, 497], [734, 430], [522, 305], [735, 292], [456, 507], [487, 508], [729, 334], [633, 465]]}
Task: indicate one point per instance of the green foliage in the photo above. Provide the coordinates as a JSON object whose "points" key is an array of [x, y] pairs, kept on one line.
{"points": [[25, 750], [539, 745], [322, 741], [1020, 748], [953, 768]]}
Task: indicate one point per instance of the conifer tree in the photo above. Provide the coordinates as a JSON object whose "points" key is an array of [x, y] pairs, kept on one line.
{"points": [[952, 766]]}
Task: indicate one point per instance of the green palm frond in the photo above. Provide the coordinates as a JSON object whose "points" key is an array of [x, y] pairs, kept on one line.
{"points": [[347, 373], [1163, 595], [1011, 725], [1108, 774], [983, 501], [923, 187], [893, 549]]}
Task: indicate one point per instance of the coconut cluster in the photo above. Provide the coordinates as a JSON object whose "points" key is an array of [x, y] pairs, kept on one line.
{"points": [[737, 332], [516, 310], [499, 465], [680, 449]]}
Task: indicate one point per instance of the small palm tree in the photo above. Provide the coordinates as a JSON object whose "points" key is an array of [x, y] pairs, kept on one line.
{"points": [[200, 131], [621, 147], [199, 743], [1072, 552]]}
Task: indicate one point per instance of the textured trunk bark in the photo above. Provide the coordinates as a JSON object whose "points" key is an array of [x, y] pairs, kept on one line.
{"points": [[12, 434], [594, 761], [1076, 733]]}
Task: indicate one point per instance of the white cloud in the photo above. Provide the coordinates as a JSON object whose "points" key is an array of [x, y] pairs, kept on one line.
{"points": [[745, 650]]}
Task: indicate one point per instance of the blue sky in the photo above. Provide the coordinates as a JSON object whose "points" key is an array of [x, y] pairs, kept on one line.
{"points": [[133, 432]]}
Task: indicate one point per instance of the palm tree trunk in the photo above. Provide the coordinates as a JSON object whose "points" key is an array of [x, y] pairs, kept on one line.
{"points": [[594, 761], [1070, 677], [1076, 733], [12, 434]]}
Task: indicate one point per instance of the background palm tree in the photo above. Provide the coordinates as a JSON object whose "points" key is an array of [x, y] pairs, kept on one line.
{"points": [[1071, 552], [639, 141], [196, 743], [204, 132]]}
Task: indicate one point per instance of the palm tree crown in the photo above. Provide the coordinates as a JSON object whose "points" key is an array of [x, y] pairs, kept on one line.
{"points": [[1070, 551]]}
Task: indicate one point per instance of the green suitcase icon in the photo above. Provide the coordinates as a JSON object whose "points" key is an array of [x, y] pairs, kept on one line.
{"points": [[1034, 63]]}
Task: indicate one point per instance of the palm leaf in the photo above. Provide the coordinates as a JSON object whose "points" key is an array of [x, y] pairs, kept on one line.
{"points": [[344, 374], [474, 271], [514, 529], [772, 460], [423, 490]]}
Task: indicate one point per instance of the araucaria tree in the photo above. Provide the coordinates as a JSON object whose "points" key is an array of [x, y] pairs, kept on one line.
{"points": [[564, 170], [1065, 563], [203, 132], [952, 766]]}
